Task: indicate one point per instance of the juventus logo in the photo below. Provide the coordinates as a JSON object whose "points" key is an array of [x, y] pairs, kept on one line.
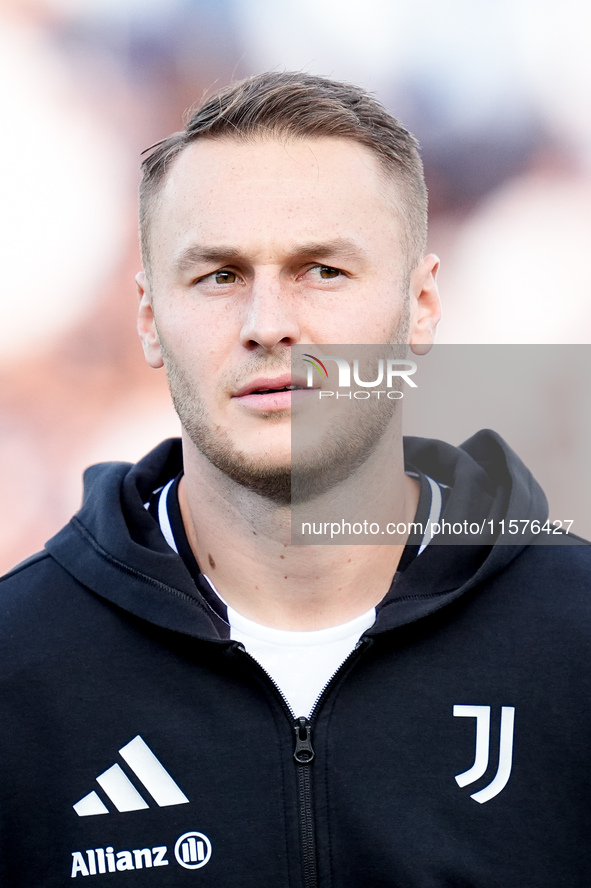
{"points": [[481, 758]]}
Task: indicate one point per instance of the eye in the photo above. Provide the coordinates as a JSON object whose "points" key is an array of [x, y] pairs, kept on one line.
{"points": [[224, 277], [326, 272]]}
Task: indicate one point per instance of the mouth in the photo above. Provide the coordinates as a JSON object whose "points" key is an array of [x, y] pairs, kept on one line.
{"points": [[283, 388], [271, 394]]}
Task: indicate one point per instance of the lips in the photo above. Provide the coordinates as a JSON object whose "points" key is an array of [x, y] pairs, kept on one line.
{"points": [[269, 394], [267, 385]]}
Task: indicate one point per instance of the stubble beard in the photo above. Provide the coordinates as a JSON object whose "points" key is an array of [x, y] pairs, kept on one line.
{"points": [[260, 475], [316, 472]]}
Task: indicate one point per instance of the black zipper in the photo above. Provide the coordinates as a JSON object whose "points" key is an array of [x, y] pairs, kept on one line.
{"points": [[304, 756]]}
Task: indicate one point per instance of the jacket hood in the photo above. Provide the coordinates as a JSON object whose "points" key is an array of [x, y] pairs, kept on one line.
{"points": [[489, 486], [115, 548]]}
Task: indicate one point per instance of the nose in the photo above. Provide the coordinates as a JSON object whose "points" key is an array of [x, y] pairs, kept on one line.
{"points": [[270, 316]]}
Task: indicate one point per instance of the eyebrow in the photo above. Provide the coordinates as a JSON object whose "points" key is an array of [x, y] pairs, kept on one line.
{"points": [[211, 255], [339, 248]]}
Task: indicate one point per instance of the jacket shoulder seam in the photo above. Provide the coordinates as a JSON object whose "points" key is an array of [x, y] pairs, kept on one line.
{"points": [[125, 568], [23, 565]]}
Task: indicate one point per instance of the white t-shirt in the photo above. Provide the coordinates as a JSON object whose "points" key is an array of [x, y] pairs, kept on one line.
{"points": [[301, 663]]}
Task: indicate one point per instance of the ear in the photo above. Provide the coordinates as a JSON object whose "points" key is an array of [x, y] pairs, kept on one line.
{"points": [[146, 323], [425, 305]]}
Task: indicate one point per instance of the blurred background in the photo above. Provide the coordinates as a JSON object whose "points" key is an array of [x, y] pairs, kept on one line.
{"points": [[499, 96]]}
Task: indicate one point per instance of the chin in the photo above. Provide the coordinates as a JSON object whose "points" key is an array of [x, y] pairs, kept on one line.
{"points": [[272, 482], [266, 474]]}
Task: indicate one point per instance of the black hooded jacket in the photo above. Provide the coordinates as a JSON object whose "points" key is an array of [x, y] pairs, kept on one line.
{"points": [[451, 750]]}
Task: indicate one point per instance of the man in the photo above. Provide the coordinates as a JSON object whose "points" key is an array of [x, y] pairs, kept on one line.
{"points": [[187, 697]]}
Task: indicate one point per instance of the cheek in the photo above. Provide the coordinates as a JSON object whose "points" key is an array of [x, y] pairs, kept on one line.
{"points": [[194, 333], [206, 350], [370, 319]]}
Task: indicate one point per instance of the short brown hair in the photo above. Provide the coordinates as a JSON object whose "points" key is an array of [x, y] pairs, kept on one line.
{"points": [[296, 105]]}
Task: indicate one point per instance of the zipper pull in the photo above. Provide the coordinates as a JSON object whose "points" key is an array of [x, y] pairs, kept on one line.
{"points": [[304, 753]]}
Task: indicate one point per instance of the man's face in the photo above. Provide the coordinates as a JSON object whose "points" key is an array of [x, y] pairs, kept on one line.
{"points": [[256, 247]]}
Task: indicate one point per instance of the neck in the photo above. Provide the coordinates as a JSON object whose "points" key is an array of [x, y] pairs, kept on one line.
{"points": [[242, 541]]}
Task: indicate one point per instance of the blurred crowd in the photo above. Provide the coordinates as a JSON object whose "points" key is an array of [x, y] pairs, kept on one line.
{"points": [[498, 95]]}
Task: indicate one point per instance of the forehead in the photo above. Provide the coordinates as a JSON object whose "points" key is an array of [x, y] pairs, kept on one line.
{"points": [[268, 193]]}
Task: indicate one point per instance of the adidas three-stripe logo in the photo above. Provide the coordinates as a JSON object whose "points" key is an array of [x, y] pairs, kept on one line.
{"points": [[120, 790]]}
